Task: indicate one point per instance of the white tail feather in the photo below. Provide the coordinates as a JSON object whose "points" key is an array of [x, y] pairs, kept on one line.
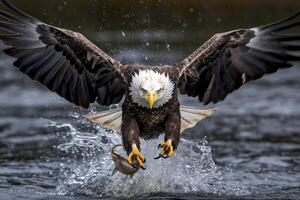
{"points": [[112, 119], [191, 116]]}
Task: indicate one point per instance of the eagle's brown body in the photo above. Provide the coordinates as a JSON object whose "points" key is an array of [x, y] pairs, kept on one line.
{"points": [[145, 123]]}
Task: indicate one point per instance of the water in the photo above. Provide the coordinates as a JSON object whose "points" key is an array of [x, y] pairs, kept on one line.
{"points": [[248, 149]]}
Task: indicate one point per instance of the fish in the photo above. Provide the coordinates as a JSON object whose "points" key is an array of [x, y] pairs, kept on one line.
{"points": [[121, 164]]}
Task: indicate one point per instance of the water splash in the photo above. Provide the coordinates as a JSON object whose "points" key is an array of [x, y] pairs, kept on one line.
{"points": [[191, 169]]}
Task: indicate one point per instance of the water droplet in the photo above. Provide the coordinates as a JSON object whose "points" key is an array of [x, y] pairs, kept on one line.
{"points": [[168, 47]]}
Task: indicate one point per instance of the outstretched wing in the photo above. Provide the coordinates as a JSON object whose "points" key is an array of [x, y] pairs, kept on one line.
{"points": [[65, 61], [228, 60]]}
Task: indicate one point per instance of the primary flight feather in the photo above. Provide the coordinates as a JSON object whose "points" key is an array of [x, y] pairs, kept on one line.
{"points": [[73, 67]]}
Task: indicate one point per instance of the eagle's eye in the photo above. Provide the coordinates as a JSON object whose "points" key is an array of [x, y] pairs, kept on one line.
{"points": [[160, 91], [143, 90]]}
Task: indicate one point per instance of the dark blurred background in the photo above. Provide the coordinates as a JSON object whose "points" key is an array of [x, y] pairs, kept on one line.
{"points": [[183, 25], [255, 133]]}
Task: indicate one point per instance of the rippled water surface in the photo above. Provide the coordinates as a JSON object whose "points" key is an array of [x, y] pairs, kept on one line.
{"points": [[249, 149]]}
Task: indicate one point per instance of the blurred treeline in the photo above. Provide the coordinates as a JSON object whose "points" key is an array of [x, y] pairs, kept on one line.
{"points": [[161, 14], [119, 26]]}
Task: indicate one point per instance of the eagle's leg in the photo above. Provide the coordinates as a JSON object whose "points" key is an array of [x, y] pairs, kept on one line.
{"points": [[172, 134], [130, 136]]}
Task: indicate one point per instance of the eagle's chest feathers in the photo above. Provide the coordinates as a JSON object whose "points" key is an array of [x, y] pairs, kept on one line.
{"points": [[151, 122], [152, 117]]}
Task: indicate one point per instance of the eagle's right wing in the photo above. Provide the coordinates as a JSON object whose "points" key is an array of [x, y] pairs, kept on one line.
{"points": [[228, 60], [65, 61]]}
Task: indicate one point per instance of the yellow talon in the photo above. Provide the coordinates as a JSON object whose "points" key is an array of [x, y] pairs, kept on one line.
{"points": [[167, 148], [136, 155]]}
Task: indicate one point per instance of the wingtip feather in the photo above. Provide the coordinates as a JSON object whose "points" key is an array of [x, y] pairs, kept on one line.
{"points": [[280, 25], [8, 6]]}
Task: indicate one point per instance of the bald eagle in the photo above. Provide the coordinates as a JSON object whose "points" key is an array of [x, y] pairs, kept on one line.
{"points": [[73, 67]]}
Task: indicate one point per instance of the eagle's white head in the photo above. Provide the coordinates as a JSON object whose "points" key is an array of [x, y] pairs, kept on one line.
{"points": [[151, 89]]}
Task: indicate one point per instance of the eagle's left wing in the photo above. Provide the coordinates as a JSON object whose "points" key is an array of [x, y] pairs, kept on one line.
{"points": [[64, 61], [228, 60]]}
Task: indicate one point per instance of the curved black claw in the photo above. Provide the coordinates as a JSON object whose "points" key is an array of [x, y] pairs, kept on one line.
{"points": [[143, 168], [161, 156], [134, 165]]}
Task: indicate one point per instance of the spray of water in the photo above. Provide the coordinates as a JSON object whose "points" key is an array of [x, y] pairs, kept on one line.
{"points": [[191, 169]]}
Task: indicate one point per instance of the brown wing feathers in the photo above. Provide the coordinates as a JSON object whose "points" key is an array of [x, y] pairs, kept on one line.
{"points": [[229, 60], [69, 64], [65, 61]]}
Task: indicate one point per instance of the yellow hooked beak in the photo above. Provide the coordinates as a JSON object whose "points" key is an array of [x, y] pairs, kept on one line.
{"points": [[151, 97]]}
